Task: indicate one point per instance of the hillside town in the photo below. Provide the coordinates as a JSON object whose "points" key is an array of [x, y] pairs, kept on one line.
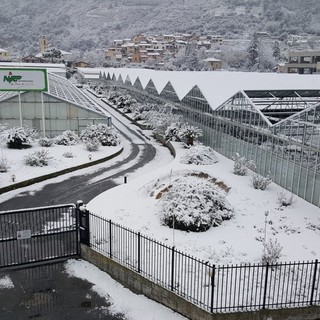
{"points": [[185, 51]]}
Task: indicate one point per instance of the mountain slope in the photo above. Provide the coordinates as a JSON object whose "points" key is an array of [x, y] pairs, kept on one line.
{"points": [[83, 25]]}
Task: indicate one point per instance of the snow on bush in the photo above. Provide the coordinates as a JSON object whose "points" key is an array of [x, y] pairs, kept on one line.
{"points": [[260, 182], [4, 164], [194, 204], [100, 132], [140, 110], [241, 165], [272, 252], [199, 155], [92, 145], [285, 199], [160, 118], [68, 154], [172, 131], [189, 133], [18, 137], [38, 158], [45, 142], [67, 138], [3, 126]]}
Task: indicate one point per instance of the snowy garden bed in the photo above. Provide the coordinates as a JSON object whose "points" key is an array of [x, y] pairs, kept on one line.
{"points": [[57, 160], [295, 227]]}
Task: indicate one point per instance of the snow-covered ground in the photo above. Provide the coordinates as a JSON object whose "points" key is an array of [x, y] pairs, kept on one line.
{"points": [[297, 227], [133, 306], [56, 163], [239, 240]]}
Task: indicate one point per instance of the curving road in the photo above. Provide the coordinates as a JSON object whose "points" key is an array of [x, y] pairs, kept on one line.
{"points": [[90, 184]]}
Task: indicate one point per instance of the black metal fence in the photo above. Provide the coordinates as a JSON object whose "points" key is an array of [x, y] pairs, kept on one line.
{"points": [[214, 288], [38, 234]]}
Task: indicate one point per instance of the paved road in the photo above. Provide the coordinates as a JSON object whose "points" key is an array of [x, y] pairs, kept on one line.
{"points": [[47, 292], [80, 186]]}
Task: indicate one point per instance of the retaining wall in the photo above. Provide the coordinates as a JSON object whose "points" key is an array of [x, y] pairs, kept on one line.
{"points": [[140, 285]]}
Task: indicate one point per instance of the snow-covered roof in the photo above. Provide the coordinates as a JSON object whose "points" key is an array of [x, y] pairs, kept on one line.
{"points": [[3, 50], [32, 65], [211, 60], [56, 68], [217, 86]]}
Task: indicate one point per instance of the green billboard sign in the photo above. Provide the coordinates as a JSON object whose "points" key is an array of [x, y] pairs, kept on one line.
{"points": [[23, 79]]}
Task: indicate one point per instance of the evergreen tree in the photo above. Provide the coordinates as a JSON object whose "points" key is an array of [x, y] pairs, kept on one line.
{"points": [[276, 51], [52, 53], [253, 52]]}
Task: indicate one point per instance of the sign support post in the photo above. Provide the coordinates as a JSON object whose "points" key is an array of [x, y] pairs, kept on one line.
{"points": [[43, 116], [20, 109]]}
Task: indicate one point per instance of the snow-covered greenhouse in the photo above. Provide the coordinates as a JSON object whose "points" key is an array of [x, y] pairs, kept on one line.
{"points": [[273, 119], [63, 107]]}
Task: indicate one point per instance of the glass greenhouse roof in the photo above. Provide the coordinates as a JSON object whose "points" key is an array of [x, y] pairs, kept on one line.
{"points": [[277, 105], [294, 114], [63, 89]]}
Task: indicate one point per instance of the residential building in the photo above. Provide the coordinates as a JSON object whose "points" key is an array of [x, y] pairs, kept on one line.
{"points": [[304, 62], [33, 59], [141, 48], [215, 64], [80, 64], [4, 55]]}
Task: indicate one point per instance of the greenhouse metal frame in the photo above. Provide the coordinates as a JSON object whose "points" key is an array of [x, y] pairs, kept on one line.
{"points": [[278, 129]]}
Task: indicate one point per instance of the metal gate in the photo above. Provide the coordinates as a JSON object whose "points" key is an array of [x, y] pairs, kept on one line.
{"points": [[38, 234]]}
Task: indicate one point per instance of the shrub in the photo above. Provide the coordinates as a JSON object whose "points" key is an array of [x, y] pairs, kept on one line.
{"points": [[92, 145], [68, 154], [194, 204], [241, 165], [18, 137], [100, 132], [272, 252], [199, 155], [3, 126], [67, 138], [284, 199], [172, 131], [189, 133], [45, 142], [160, 118], [260, 182], [4, 164], [38, 158]]}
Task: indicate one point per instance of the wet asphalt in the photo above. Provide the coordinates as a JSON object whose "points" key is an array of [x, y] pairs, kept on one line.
{"points": [[47, 292]]}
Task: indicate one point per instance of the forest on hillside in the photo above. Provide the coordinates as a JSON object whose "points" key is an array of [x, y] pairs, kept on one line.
{"points": [[88, 25]]}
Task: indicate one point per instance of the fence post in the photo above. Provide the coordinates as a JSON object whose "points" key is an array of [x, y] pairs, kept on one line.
{"points": [[110, 239], [172, 268], [212, 287], [139, 251], [84, 223], [265, 286], [314, 281]]}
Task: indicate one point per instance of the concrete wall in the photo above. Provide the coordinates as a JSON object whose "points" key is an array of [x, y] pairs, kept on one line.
{"points": [[138, 284]]}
